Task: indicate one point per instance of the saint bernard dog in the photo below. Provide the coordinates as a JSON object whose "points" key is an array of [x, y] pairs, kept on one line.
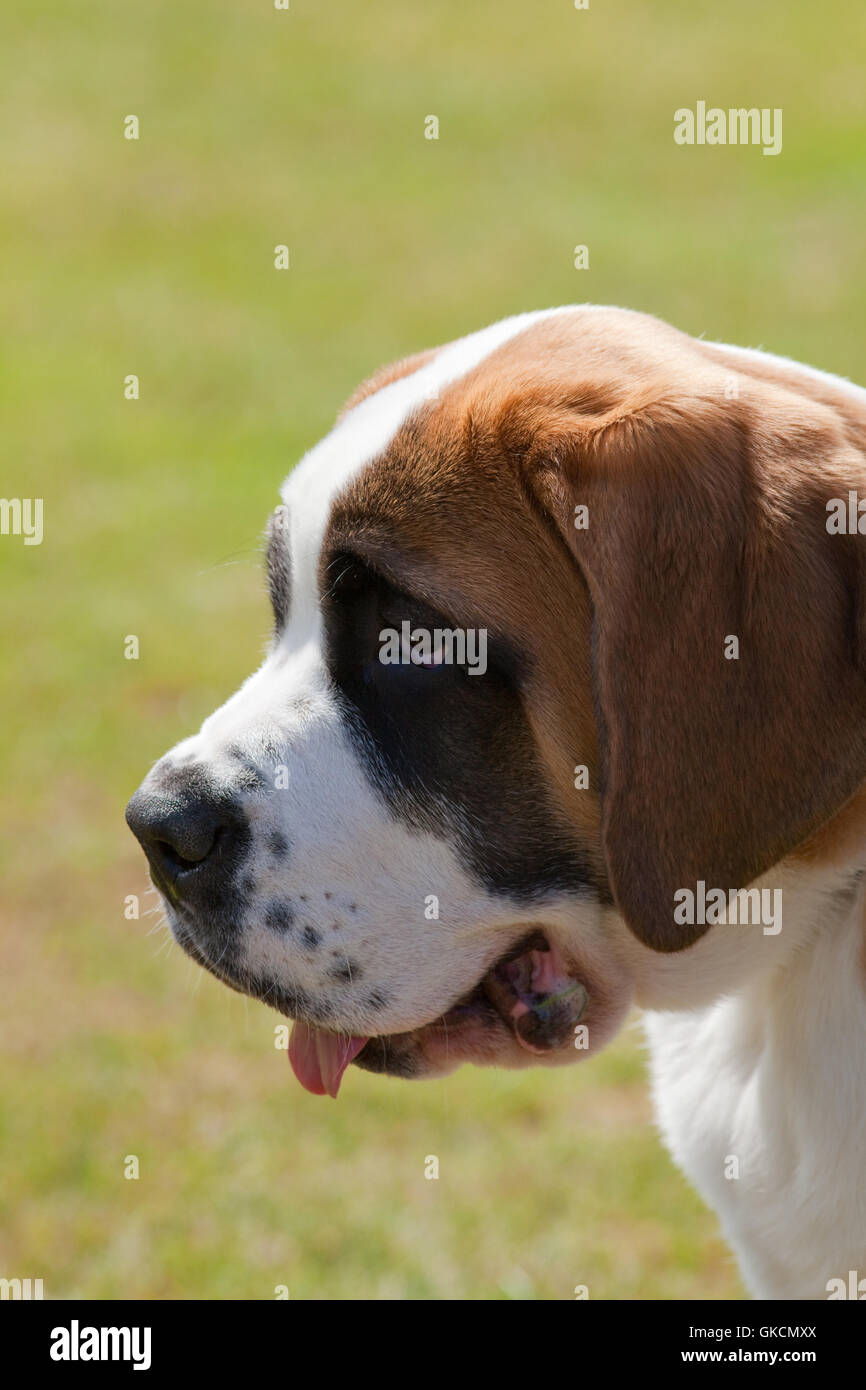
{"points": [[653, 794]]}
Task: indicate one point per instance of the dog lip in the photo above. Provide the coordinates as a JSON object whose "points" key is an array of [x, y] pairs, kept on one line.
{"points": [[534, 941], [528, 995]]}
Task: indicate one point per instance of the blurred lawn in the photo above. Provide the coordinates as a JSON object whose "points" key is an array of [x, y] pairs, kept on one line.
{"points": [[156, 257]]}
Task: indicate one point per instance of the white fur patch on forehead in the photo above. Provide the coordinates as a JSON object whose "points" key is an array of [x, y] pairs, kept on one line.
{"points": [[360, 437]]}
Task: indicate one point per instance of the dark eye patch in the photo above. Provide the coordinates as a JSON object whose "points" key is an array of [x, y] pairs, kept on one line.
{"points": [[445, 747], [361, 605], [345, 577]]}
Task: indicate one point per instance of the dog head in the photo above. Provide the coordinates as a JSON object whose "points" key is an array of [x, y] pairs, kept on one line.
{"points": [[499, 725]]}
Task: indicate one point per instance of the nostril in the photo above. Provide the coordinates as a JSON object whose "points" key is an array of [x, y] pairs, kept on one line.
{"points": [[189, 841], [182, 863]]}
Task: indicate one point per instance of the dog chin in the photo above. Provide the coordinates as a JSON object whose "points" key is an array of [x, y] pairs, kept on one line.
{"points": [[534, 1007]]}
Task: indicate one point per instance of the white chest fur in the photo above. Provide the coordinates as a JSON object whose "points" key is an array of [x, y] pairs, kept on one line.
{"points": [[761, 1098]]}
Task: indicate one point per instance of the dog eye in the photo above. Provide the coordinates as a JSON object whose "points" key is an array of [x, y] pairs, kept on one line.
{"points": [[425, 645], [396, 645]]}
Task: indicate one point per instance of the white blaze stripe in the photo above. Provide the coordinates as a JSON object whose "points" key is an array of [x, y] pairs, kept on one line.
{"points": [[358, 439]]}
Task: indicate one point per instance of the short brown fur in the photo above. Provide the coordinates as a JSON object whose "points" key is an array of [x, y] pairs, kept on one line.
{"points": [[707, 512]]}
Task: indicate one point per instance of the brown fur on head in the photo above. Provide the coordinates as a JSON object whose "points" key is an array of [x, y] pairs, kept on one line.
{"points": [[705, 492]]}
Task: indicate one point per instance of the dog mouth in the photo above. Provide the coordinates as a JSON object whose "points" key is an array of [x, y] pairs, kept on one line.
{"points": [[530, 999]]}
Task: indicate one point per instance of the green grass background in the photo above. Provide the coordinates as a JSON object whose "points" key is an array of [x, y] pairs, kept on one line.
{"points": [[260, 127]]}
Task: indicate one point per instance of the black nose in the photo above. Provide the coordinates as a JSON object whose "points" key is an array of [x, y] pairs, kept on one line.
{"points": [[182, 831]]}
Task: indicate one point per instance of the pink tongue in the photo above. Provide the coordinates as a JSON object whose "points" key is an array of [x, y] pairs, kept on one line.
{"points": [[319, 1059]]}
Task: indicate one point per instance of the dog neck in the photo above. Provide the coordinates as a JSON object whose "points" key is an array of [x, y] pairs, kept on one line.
{"points": [[760, 1092]]}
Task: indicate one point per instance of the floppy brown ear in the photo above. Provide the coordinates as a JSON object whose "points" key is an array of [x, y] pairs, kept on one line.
{"points": [[729, 636]]}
